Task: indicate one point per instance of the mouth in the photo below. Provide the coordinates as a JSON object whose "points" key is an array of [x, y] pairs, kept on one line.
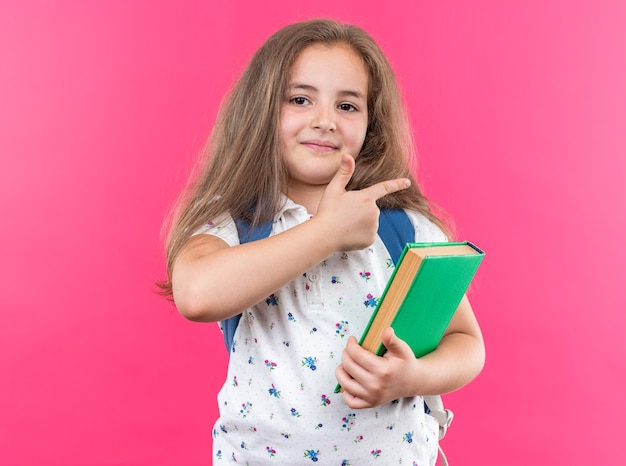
{"points": [[319, 145]]}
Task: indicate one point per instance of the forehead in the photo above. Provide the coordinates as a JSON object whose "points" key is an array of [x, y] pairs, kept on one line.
{"points": [[338, 63]]}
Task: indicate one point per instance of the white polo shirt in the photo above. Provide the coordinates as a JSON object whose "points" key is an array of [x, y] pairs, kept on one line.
{"points": [[277, 404]]}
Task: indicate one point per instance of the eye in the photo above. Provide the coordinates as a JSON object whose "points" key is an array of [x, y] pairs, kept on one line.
{"points": [[347, 107], [299, 100]]}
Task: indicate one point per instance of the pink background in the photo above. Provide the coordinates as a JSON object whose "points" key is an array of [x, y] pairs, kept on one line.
{"points": [[519, 110]]}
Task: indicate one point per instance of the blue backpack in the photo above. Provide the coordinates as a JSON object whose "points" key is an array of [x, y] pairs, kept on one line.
{"points": [[395, 230]]}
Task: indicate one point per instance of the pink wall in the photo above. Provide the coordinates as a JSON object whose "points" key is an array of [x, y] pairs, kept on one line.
{"points": [[520, 113]]}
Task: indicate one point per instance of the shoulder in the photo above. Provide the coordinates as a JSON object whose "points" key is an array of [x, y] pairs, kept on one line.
{"points": [[223, 227], [235, 231], [425, 229]]}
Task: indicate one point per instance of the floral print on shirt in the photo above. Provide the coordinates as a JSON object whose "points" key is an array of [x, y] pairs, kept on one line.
{"points": [[284, 410]]}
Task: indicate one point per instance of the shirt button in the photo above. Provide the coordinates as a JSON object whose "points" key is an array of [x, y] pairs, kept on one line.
{"points": [[313, 276]]}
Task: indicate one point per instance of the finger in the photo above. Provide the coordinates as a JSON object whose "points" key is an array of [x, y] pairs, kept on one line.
{"points": [[358, 354], [350, 387], [387, 187], [342, 177], [343, 378], [395, 346], [358, 362], [355, 402]]}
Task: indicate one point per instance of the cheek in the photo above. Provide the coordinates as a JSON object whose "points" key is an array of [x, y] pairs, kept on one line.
{"points": [[286, 129], [283, 131], [359, 138]]}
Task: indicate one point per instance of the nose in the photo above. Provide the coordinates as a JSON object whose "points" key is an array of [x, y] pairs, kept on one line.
{"points": [[324, 119]]}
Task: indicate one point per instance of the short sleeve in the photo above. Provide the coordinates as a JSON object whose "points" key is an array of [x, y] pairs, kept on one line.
{"points": [[223, 227], [425, 229]]}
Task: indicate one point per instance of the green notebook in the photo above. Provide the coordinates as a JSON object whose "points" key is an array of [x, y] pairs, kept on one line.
{"points": [[422, 295]]}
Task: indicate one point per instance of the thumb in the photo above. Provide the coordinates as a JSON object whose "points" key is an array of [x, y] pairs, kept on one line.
{"points": [[343, 175], [395, 346]]}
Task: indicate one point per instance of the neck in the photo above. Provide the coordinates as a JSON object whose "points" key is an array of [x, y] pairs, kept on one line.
{"points": [[309, 197]]}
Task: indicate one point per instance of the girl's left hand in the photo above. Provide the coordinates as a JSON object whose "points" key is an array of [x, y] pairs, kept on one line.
{"points": [[369, 380]]}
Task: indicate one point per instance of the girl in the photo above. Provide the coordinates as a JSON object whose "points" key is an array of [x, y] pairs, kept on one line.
{"points": [[314, 140]]}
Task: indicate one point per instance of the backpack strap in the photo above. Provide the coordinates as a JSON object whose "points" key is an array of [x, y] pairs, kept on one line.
{"points": [[434, 407], [246, 235], [395, 230]]}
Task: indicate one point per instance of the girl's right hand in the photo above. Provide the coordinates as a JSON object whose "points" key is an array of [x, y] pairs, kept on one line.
{"points": [[353, 215], [207, 276]]}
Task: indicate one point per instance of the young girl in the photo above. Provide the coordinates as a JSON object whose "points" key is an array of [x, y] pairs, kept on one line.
{"points": [[313, 140]]}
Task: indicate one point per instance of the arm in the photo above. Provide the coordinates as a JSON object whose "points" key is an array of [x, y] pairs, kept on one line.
{"points": [[369, 380], [212, 281]]}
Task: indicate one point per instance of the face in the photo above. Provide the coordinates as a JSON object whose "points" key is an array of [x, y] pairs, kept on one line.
{"points": [[324, 114]]}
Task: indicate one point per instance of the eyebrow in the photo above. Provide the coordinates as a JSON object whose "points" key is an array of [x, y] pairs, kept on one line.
{"points": [[344, 92]]}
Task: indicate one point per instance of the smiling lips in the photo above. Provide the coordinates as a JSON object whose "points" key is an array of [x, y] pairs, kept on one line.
{"points": [[319, 146]]}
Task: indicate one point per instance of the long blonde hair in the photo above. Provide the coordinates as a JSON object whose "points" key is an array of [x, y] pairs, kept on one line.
{"points": [[242, 170]]}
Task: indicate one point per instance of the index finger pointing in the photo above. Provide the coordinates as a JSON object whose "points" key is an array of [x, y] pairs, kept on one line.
{"points": [[387, 187]]}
